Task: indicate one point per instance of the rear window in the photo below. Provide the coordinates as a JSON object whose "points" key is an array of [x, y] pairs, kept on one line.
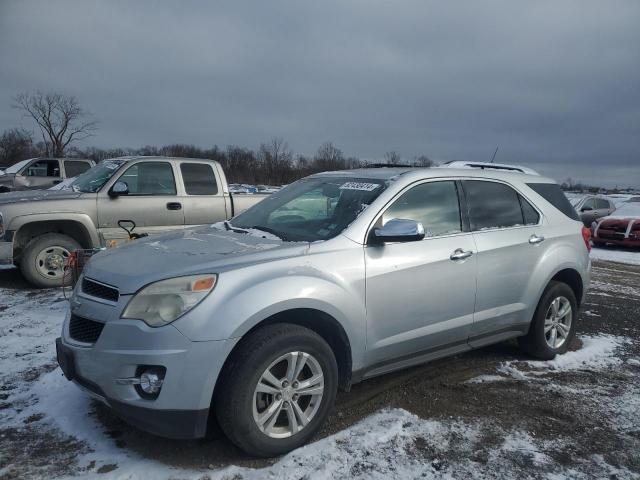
{"points": [[198, 179], [74, 168], [492, 205], [552, 193]]}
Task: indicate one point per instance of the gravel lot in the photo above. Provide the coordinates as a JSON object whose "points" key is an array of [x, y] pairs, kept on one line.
{"points": [[489, 413]]}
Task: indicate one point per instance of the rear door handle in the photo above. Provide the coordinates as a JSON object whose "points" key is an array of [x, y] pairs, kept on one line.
{"points": [[460, 254], [174, 206], [535, 239]]}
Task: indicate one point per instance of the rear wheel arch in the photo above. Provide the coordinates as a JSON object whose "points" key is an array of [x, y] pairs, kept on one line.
{"points": [[573, 279]]}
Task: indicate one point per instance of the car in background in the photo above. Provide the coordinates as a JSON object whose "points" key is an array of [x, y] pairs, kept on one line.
{"points": [[267, 189], [39, 229], [592, 207], [621, 229], [41, 173]]}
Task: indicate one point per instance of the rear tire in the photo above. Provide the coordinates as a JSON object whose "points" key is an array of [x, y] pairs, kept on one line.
{"points": [[43, 259], [554, 323], [247, 392]]}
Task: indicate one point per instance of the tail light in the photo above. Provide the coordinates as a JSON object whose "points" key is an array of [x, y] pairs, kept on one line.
{"points": [[586, 236]]}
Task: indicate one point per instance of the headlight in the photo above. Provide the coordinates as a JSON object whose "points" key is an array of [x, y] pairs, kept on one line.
{"points": [[163, 302]]}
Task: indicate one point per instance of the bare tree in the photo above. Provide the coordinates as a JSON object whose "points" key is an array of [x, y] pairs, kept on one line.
{"points": [[59, 117], [392, 158], [15, 145], [423, 161], [276, 158], [328, 157]]}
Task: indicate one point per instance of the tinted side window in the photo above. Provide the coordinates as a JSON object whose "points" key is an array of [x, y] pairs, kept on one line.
{"points": [[198, 179], [150, 178], [590, 203], [43, 168], [73, 168], [601, 203], [551, 193], [434, 204], [531, 216], [492, 205]]}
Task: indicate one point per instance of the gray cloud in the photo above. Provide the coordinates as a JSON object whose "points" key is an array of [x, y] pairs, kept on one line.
{"points": [[555, 84]]}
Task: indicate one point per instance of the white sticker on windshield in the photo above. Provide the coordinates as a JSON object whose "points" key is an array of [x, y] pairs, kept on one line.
{"points": [[110, 165], [367, 187]]}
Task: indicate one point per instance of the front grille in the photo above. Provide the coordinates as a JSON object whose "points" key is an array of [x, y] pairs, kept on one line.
{"points": [[610, 234], [100, 290], [84, 330]]}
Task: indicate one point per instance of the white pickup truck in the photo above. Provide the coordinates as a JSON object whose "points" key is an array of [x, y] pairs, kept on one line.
{"points": [[39, 229]]}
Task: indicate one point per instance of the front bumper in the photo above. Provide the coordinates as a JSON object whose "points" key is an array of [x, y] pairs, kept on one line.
{"points": [[182, 407]]}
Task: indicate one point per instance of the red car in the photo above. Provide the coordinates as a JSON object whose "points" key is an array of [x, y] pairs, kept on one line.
{"points": [[622, 228]]}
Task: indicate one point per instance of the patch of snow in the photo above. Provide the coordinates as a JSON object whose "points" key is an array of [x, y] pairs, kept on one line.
{"points": [[616, 255], [597, 352]]}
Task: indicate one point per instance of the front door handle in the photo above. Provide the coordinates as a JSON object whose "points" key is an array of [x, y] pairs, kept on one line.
{"points": [[460, 254], [535, 239], [174, 206]]}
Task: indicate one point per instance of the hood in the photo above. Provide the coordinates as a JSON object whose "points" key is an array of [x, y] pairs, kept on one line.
{"points": [[187, 252], [36, 196]]}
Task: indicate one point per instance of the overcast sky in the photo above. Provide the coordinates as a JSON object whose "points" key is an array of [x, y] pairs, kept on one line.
{"points": [[556, 84]]}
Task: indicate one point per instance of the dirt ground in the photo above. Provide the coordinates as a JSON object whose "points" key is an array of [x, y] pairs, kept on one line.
{"points": [[575, 405]]}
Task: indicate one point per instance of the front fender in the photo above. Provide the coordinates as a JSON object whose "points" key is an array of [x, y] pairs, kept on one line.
{"points": [[18, 222], [235, 309]]}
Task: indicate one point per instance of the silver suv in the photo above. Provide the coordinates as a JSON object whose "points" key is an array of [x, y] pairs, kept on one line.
{"points": [[334, 279]]}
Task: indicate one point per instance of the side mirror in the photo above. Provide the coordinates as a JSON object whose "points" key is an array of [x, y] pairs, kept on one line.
{"points": [[119, 188], [586, 209], [399, 230]]}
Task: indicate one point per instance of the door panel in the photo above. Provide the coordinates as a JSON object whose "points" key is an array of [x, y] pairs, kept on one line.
{"points": [[508, 236], [153, 203], [417, 297], [41, 174], [505, 262], [203, 200]]}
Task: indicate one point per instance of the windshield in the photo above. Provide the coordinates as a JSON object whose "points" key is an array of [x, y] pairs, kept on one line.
{"points": [[18, 166], [93, 179], [312, 209]]}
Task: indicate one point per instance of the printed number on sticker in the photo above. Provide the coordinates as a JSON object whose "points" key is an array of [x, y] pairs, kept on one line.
{"points": [[367, 187]]}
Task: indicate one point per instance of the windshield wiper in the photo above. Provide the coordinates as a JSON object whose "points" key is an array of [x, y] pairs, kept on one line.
{"points": [[228, 226]]}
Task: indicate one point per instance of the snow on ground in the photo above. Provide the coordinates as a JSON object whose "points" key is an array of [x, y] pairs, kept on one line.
{"points": [[392, 442], [597, 352], [616, 255]]}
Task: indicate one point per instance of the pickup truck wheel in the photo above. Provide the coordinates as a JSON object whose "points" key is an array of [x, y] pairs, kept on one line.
{"points": [[44, 258], [277, 390], [554, 323]]}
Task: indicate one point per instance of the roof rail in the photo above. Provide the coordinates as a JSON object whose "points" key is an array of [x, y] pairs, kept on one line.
{"points": [[387, 165], [491, 166]]}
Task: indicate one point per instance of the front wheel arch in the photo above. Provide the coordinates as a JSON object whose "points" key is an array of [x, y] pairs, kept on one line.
{"points": [[317, 321]]}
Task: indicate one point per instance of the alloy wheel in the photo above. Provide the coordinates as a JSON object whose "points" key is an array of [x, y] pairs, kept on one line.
{"points": [[557, 322], [288, 394]]}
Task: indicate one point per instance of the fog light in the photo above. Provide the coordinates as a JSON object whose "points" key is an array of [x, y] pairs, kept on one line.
{"points": [[147, 381], [150, 382]]}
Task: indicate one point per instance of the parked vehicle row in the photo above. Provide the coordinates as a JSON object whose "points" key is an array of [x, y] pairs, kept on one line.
{"points": [[40, 228], [622, 228], [41, 173], [336, 278]]}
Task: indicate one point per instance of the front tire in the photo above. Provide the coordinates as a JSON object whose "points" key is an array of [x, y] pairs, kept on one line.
{"points": [[43, 260], [554, 323], [277, 390]]}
